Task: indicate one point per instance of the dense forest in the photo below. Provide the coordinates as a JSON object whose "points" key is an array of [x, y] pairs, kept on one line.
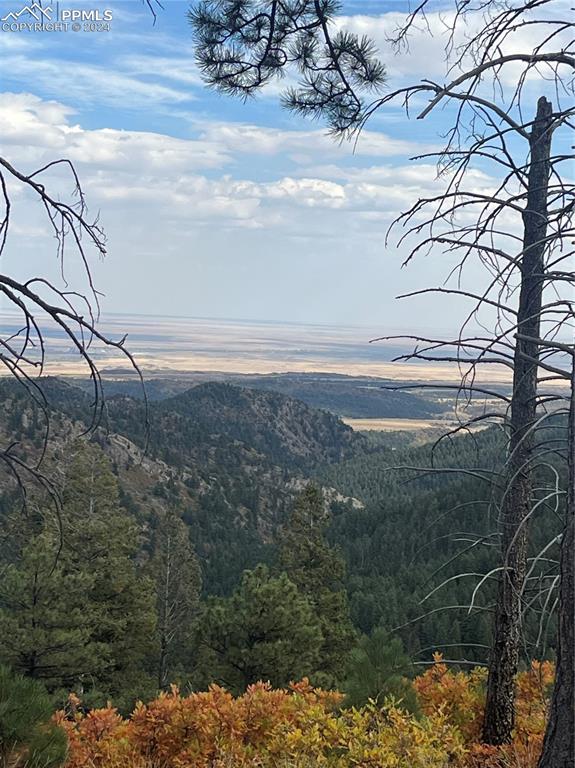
{"points": [[177, 521], [227, 535], [354, 397]]}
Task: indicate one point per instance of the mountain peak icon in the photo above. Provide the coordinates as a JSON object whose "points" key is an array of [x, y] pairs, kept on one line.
{"points": [[34, 10]]}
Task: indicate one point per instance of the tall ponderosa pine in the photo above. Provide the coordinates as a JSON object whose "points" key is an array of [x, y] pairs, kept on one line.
{"points": [[47, 623], [318, 571]]}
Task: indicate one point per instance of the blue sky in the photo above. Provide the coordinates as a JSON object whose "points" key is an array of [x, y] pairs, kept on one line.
{"points": [[213, 207]]}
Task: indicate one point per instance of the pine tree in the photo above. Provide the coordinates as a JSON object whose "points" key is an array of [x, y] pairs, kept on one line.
{"points": [[378, 668], [103, 539], [318, 571], [266, 631], [74, 611], [47, 622], [27, 736]]}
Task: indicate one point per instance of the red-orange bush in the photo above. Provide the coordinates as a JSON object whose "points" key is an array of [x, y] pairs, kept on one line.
{"points": [[303, 727], [211, 728], [461, 696]]}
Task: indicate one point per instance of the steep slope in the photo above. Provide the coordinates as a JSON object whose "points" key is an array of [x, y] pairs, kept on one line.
{"points": [[239, 454], [230, 459], [281, 428]]}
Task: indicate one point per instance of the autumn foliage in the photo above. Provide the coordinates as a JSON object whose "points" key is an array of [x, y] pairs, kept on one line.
{"points": [[461, 697], [303, 727]]}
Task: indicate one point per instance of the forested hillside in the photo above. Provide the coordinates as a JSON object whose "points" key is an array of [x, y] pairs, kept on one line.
{"points": [[226, 465], [198, 424], [231, 460], [354, 397], [187, 545], [348, 396]]}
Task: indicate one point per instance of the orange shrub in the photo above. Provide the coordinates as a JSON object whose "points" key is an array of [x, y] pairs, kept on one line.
{"points": [[461, 697], [97, 739], [303, 727], [264, 728], [211, 728]]}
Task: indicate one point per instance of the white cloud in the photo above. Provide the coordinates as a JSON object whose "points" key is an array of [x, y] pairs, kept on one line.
{"points": [[196, 227], [90, 83], [28, 120], [179, 69], [433, 47], [151, 178], [303, 145], [30, 124], [230, 218]]}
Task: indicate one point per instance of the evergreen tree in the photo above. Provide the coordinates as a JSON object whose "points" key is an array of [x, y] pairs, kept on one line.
{"points": [[266, 630], [104, 540], [74, 611], [47, 622], [379, 668], [27, 736], [318, 570], [176, 573]]}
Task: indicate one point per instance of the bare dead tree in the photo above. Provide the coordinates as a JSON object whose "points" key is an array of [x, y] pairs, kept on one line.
{"points": [[176, 572], [42, 307], [544, 201], [519, 229], [559, 744], [499, 714]]}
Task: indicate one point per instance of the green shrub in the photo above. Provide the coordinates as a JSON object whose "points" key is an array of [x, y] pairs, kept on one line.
{"points": [[28, 738], [378, 668]]}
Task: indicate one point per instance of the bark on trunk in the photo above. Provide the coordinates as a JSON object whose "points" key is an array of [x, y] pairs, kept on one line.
{"points": [[500, 706], [163, 663], [164, 617], [559, 743]]}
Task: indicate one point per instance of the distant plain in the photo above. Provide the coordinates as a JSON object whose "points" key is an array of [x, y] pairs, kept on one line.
{"points": [[170, 346]]}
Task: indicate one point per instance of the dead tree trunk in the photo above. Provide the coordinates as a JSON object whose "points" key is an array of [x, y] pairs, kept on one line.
{"points": [[165, 615], [559, 744], [500, 710]]}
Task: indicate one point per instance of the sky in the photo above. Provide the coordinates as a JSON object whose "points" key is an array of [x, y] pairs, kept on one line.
{"points": [[213, 207]]}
